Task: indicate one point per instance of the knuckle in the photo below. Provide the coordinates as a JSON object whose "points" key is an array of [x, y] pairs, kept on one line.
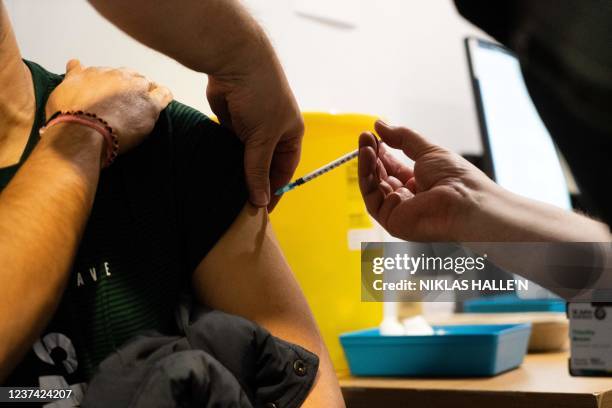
{"points": [[256, 139], [299, 127], [257, 173]]}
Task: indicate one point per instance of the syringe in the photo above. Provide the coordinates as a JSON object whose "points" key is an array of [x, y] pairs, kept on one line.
{"points": [[310, 176]]}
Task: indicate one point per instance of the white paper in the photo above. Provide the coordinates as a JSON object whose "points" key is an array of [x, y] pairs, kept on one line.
{"points": [[417, 326]]}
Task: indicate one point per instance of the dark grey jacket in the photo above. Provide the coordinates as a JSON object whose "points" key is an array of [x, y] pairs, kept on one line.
{"points": [[222, 361]]}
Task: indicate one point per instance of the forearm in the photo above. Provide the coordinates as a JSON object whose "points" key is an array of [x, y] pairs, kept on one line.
{"points": [[498, 215], [533, 234], [43, 211], [251, 278], [210, 36]]}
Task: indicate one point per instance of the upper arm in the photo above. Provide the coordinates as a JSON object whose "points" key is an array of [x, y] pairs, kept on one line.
{"points": [[246, 274], [239, 266], [209, 183]]}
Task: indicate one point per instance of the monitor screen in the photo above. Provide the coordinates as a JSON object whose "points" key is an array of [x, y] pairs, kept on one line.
{"points": [[517, 146], [520, 150]]}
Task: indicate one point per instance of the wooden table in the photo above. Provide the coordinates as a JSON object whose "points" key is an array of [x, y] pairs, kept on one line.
{"points": [[542, 381]]}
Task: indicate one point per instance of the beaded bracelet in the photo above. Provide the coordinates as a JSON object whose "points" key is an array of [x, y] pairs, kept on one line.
{"points": [[94, 122]]}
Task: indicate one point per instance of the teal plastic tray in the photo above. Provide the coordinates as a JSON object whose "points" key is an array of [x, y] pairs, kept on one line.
{"points": [[454, 351], [512, 304]]}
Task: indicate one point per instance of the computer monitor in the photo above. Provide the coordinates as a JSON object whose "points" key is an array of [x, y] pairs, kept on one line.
{"points": [[518, 150], [519, 153]]}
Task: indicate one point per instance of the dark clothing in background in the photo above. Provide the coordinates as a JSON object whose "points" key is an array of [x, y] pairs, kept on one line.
{"points": [[565, 51], [222, 361]]}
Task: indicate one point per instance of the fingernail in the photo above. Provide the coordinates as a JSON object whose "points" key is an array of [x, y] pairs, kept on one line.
{"points": [[382, 123], [260, 199]]}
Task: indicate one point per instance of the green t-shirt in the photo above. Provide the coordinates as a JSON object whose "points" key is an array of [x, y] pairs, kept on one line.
{"points": [[158, 210]]}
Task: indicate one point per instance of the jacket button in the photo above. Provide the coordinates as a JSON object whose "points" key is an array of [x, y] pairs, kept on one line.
{"points": [[270, 405], [299, 367]]}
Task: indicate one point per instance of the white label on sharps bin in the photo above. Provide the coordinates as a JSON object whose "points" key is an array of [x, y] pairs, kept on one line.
{"points": [[591, 337]]}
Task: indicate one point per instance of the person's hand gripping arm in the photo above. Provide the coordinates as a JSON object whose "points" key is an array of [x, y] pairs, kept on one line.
{"points": [[45, 207]]}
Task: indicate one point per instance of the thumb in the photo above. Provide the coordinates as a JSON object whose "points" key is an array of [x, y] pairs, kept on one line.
{"points": [[73, 66], [411, 143], [257, 159]]}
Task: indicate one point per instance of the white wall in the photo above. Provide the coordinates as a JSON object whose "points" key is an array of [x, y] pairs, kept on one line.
{"points": [[403, 59]]}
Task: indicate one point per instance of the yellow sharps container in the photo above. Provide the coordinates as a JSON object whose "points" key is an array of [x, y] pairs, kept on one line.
{"points": [[320, 225]]}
